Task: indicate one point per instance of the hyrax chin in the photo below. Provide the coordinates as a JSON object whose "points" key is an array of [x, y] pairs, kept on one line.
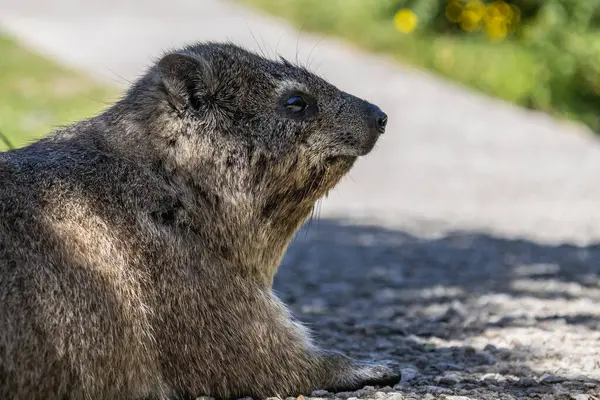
{"points": [[138, 248]]}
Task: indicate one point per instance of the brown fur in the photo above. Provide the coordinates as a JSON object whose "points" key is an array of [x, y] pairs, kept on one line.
{"points": [[138, 248]]}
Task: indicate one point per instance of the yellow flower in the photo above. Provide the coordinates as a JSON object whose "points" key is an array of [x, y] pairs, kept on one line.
{"points": [[500, 19], [405, 21], [471, 15], [500, 13], [499, 9], [454, 10], [470, 20], [497, 28], [477, 7]]}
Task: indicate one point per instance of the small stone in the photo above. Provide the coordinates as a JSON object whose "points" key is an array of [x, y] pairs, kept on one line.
{"points": [[491, 348], [581, 397], [526, 382], [511, 379], [319, 393], [560, 391], [429, 347], [444, 366], [408, 374], [580, 377], [493, 378], [352, 398], [367, 391], [536, 390], [437, 390], [489, 358], [395, 396], [277, 398], [380, 395], [449, 379], [550, 379]]}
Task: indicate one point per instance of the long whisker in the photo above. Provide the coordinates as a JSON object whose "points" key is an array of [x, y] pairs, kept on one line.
{"points": [[255, 40]]}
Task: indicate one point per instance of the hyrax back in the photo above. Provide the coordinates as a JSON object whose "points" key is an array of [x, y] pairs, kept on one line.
{"points": [[138, 248]]}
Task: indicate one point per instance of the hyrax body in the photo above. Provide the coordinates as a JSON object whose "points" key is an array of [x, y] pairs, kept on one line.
{"points": [[138, 248]]}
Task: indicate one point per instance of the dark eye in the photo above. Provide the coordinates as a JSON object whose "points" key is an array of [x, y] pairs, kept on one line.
{"points": [[296, 104]]}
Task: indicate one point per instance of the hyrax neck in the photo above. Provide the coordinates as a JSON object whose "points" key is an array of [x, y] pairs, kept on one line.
{"points": [[251, 240]]}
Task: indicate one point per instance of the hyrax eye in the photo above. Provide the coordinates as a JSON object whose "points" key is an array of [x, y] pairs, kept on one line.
{"points": [[296, 104]]}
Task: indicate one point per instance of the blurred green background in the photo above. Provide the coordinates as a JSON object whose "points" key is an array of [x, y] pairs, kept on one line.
{"points": [[540, 54], [37, 95]]}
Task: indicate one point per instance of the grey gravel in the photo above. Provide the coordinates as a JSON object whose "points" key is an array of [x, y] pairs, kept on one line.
{"points": [[581, 397], [448, 353], [457, 398], [437, 390], [547, 378], [408, 374], [450, 379], [525, 381], [466, 243], [395, 396]]}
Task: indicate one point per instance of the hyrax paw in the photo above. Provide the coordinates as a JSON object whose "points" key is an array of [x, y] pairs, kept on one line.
{"points": [[350, 375], [370, 374]]}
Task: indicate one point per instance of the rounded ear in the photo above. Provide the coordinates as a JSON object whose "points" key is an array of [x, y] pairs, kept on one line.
{"points": [[185, 78]]}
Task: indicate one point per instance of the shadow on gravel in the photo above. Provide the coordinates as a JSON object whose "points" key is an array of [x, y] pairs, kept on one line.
{"points": [[379, 293]]}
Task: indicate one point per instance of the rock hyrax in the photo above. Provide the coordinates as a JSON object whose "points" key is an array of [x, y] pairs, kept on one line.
{"points": [[138, 247]]}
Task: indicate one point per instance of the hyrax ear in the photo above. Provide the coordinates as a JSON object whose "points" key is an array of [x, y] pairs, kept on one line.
{"points": [[186, 78]]}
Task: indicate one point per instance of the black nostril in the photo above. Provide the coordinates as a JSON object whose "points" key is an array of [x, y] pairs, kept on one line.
{"points": [[378, 119], [382, 121]]}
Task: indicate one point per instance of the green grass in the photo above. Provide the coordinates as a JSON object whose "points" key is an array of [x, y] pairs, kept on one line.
{"points": [[37, 95], [525, 74]]}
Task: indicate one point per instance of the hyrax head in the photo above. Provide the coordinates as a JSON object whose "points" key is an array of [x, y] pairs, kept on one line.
{"points": [[268, 125]]}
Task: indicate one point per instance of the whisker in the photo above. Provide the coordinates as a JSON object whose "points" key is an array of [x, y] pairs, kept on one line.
{"points": [[311, 51], [255, 40]]}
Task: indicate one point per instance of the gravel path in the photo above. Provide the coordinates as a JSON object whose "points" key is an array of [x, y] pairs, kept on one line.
{"points": [[462, 313], [462, 249]]}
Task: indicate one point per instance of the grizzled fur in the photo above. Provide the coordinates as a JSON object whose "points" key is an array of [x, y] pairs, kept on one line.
{"points": [[138, 248]]}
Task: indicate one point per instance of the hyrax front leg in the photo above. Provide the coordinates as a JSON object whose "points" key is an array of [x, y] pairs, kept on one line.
{"points": [[293, 365], [340, 373]]}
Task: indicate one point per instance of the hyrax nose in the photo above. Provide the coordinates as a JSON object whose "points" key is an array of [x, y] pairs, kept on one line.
{"points": [[378, 118]]}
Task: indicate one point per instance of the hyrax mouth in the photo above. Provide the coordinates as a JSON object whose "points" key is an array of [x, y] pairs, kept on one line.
{"points": [[340, 159]]}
